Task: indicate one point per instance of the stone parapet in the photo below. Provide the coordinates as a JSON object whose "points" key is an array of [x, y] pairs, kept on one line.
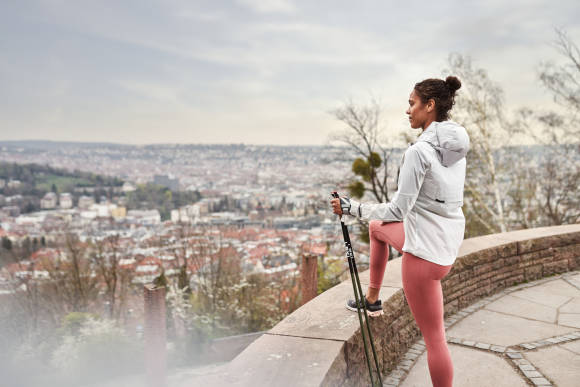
{"points": [[320, 344]]}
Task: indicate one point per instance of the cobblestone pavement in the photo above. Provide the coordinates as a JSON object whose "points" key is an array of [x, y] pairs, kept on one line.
{"points": [[525, 335]]}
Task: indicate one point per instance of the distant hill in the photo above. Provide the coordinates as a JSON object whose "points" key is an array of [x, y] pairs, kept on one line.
{"points": [[35, 176], [52, 145], [34, 181]]}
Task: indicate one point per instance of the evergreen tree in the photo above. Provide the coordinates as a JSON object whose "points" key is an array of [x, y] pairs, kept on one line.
{"points": [[6, 243]]}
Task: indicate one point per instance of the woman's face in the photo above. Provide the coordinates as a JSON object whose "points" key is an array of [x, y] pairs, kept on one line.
{"points": [[420, 113]]}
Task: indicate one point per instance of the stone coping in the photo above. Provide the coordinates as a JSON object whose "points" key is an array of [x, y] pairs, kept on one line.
{"points": [[320, 342]]}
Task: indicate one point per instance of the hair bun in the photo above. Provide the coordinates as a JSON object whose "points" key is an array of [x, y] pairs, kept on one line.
{"points": [[453, 83]]}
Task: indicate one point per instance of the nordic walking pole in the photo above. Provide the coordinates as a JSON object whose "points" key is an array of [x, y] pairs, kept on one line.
{"points": [[359, 299]]}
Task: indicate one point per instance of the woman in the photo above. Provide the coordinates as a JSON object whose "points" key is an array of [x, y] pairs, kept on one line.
{"points": [[424, 220]]}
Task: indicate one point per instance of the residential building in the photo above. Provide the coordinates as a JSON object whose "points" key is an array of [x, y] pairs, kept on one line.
{"points": [[49, 201], [66, 200]]}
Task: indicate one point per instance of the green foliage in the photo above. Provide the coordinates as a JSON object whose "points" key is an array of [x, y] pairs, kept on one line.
{"points": [[6, 243], [160, 281], [31, 175], [361, 168], [153, 196], [59, 184], [356, 189], [374, 160], [366, 168], [329, 274], [6, 254], [72, 322], [36, 180]]}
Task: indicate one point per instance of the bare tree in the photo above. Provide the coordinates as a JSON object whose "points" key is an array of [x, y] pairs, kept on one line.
{"points": [[187, 251], [24, 309], [557, 173], [559, 169], [480, 109], [564, 81], [107, 256], [362, 134], [523, 207], [46, 288], [560, 182], [513, 186], [79, 282]]}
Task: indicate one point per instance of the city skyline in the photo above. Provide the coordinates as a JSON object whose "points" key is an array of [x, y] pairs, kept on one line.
{"points": [[248, 71]]}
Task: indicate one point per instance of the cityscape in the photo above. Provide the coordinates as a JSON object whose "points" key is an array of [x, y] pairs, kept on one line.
{"points": [[266, 206], [166, 172]]}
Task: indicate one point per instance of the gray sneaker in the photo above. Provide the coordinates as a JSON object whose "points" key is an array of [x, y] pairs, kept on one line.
{"points": [[375, 309]]}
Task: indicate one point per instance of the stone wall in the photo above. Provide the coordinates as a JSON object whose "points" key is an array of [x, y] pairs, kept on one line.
{"points": [[484, 266], [528, 255], [320, 343]]}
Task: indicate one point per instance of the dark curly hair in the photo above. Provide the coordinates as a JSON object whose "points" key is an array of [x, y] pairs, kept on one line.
{"points": [[441, 91]]}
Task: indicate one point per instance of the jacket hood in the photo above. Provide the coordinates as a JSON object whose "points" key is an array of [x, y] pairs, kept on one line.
{"points": [[449, 139]]}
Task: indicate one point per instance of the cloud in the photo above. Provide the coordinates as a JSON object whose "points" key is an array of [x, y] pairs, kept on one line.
{"points": [[269, 6], [154, 91], [263, 66]]}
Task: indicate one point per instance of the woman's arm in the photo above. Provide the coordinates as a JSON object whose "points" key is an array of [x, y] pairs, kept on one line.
{"points": [[415, 165]]}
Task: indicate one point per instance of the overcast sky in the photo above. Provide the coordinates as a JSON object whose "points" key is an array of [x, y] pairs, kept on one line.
{"points": [[250, 71]]}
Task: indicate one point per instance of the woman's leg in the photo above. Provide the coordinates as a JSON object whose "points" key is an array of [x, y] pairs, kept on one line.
{"points": [[422, 287], [382, 235]]}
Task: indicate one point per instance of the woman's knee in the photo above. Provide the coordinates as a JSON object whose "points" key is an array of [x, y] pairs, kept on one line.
{"points": [[374, 226]]}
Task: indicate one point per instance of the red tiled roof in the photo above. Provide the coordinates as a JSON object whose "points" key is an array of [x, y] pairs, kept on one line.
{"points": [[150, 261], [259, 252], [45, 253]]}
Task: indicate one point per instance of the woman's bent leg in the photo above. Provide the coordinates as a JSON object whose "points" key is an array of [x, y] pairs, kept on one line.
{"points": [[381, 235], [422, 287]]}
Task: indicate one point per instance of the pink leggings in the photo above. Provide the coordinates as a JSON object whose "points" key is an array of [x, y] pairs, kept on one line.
{"points": [[422, 287]]}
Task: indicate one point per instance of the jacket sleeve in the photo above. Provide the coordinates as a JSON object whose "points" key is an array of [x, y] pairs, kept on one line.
{"points": [[415, 165]]}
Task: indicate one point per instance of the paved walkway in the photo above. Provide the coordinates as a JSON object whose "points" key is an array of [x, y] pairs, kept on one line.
{"points": [[525, 335]]}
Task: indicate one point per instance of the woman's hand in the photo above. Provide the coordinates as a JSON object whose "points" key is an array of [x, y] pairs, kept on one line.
{"points": [[336, 206]]}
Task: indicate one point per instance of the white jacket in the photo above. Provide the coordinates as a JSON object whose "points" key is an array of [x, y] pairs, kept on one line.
{"points": [[429, 195]]}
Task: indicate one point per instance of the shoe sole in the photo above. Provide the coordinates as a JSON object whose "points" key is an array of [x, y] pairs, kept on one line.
{"points": [[376, 313]]}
